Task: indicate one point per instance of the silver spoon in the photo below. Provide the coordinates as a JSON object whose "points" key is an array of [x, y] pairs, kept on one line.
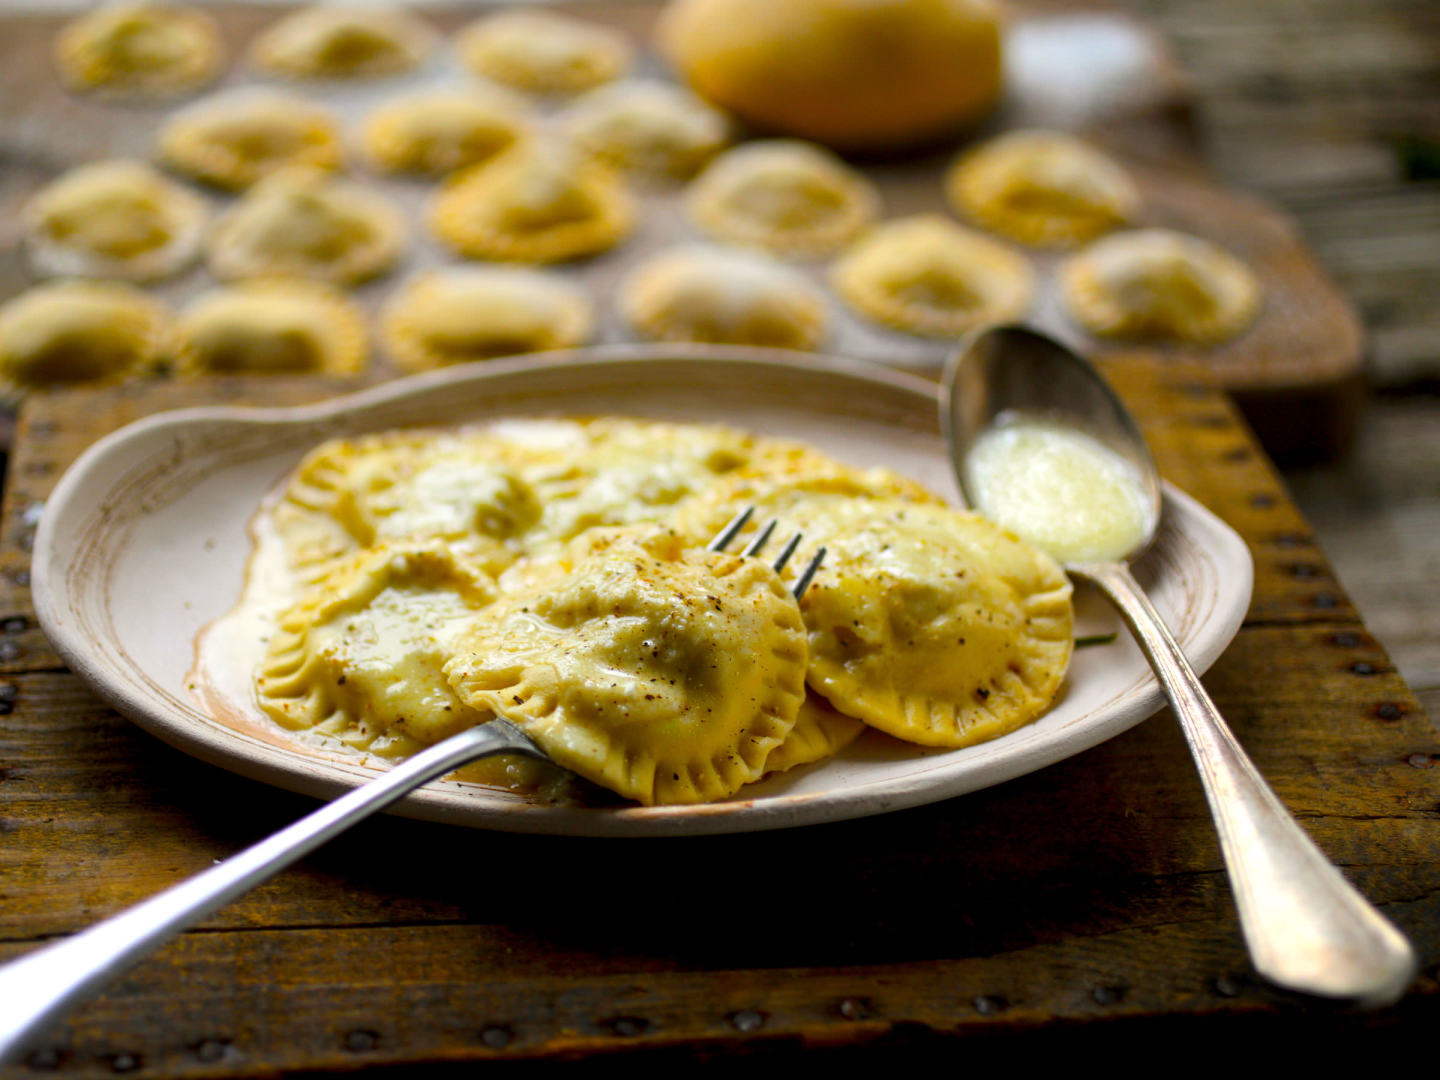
{"points": [[1307, 929]]}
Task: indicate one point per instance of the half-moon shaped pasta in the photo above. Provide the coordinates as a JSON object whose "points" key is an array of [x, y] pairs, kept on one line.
{"points": [[235, 138], [647, 126], [307, 223], [439, 131], [543, 203], [139, 49], [271, 325], [927, 275], [118, 219], [665, 674], [543, 51], [819, 732], [1043, 188], [361, 656], [1160, 285], [721, 296], [460, 314], [788, 197], [931, 623], [343, 42], [79, 331]]}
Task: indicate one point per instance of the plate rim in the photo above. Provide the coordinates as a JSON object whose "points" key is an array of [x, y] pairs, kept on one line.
{"points": [[438, 801]]}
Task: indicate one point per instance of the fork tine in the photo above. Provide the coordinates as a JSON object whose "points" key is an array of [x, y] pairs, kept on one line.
{"points": [[761, 539], [808, 574], [787, 551], [732, 530]]}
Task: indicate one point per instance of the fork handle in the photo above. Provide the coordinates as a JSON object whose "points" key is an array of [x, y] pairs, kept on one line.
{"points": [[41, 985], [1306, 927]]}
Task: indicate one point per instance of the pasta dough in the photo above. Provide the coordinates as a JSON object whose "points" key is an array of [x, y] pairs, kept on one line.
{"points": [[664, 673], [723, 297], [266, 326], [543, 51], [437, 132], [343, 42], [306, 223], [1162, 285], [1042, 188], [647, 127], [926, 275], [233, 139], [118, 219], [788, 197], [460, 314], [140, 50], [79, 331]]}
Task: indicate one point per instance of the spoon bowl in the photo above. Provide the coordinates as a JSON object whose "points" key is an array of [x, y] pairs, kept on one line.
{"points": [[1306, 928]]}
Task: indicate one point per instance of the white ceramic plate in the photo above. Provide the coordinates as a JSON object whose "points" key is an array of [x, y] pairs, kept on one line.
{"points": [[144, 542]]}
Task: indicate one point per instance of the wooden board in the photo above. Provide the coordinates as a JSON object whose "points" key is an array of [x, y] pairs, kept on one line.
{"points": [[1296, 372], [1084, 905]]}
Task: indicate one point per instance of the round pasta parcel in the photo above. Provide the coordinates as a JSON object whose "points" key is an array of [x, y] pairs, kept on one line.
{"points": [[308, 223], [271, 325], [544, 203], [438, 131], [820, 732], [665, 673], [235, 138], [343, 42], [114, 219], [930, 623], [788, 197], [460, 314], [926, 275], [543, 52], [711, 294], [1155, 284], [360, 657], [1046, 189], [141, 50], [648, 127], [79, 331]]}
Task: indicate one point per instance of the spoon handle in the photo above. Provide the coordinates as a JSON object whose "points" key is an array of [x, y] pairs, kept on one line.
{"points": [[36, 989], [1306, 927]]}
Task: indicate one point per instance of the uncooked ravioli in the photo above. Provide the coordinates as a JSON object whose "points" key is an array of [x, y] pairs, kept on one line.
{"points": [[542, 51], [271, 326], [647, 127], [465, 313], [139, 49], [343, 42], [118, 219], [307, 223], [926, 275], [1155, 284], [664, 673], [438, 131], [1042, 188], [788, 197], [235, 138]]}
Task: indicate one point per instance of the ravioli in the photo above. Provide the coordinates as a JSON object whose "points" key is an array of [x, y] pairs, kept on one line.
{"points": [[664, 673], [542, 204], [1045, 189], [819, 732], [79, 331], [343, 42], [647, 127], [140, 50], [543, 51], [114, 219], [788, 197], [438, 131], [270, 326], [723, 297], [306, 223], [1155, 284], [926, 275], [360, 658], [235, 138], [461, 314]]}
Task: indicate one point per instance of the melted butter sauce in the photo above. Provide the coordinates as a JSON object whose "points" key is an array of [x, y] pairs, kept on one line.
{"points": [[1062, 490]]}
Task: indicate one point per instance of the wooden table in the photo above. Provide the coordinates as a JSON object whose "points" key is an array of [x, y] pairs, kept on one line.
{"points": [[1085, 901]]}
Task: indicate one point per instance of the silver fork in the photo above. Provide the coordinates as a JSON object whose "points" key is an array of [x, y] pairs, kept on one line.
{"points": [[36, 989]]}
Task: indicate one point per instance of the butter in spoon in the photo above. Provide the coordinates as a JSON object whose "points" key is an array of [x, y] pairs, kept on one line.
{"points": [[1041, 444]]}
